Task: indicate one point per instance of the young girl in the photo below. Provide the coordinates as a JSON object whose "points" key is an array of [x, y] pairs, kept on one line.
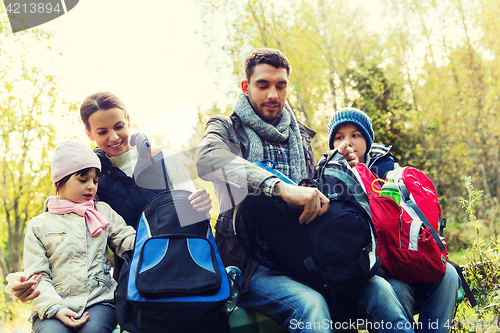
{"points": [[435, 300], [66, 246]]}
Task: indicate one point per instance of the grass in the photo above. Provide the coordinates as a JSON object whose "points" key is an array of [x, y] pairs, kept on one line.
{"points": [[457, 257]]}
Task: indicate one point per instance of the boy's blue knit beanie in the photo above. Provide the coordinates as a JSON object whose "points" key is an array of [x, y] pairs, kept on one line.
{"points": [[355, 117]]}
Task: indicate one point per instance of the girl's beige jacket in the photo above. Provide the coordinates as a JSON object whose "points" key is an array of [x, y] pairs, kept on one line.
{"points": [[74, 266]]}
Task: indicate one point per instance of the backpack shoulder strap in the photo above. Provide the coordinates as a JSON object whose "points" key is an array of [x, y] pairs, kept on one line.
{"points": [[406, 197], [353, 185], [465, 285]]}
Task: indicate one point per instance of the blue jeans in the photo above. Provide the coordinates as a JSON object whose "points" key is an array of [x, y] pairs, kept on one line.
{"points": [[101, 319], [298, 308], [436, 301]]}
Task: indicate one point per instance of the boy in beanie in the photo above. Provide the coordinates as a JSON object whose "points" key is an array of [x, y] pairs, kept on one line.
{"points": [[355, 127], [436, 300], [66, 247]]}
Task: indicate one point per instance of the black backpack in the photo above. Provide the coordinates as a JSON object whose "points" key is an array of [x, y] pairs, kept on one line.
{"points": [[174, 279], [335, 252]]}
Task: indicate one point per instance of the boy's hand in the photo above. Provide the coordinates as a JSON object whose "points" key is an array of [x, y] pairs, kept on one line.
{"points": [[200, 200], [348, 153], [69, 318], [311, 200], [25, 290]]}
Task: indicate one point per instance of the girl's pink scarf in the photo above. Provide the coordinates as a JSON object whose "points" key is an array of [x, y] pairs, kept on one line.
{"points": [[95, 221]]}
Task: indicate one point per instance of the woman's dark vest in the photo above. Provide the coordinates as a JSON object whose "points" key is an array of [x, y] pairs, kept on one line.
{"points": [[128, 196]]}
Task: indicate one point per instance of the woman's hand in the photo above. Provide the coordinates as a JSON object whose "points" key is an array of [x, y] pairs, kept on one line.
{"points": [[200, 200], [25, 290], [69, 318]]}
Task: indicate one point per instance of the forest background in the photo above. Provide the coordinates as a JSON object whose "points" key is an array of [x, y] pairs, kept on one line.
{"points": [[426, 72]]}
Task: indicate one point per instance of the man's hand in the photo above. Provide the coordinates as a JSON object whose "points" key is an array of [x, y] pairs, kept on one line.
{"points": [[348, 153], [69, 318], [25, 290], [311, 200], [200, 200]]}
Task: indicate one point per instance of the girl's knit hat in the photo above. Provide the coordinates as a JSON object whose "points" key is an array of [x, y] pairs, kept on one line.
{"points": [[355, 117], [70, 157]]}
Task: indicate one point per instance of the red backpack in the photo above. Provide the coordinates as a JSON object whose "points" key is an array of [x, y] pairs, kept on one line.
{"points": [[408, 244]]}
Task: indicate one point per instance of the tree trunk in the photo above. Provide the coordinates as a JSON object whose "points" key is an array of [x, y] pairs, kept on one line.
{"points": [[3, 264]]}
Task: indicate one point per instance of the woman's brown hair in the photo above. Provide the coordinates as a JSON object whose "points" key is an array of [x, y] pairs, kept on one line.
{"points": [[103, 100]]}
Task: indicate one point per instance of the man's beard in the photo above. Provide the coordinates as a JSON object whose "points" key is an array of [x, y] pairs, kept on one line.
{"points": [[259, 110]]}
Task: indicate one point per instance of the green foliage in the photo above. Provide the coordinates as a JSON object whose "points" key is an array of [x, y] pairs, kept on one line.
{"points": [[469, 204], [28, 99], [482, 273], [453, 87], [384, 102]]}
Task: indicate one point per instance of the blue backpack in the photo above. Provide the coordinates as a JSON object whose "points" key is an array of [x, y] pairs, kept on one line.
{"points": [[174, 279]]}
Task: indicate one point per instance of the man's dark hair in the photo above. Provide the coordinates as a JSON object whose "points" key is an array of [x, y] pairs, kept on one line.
{"points": [[272, 57]]}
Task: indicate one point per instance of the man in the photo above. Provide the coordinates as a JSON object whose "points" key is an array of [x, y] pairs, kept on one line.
{"points": [[264, 127]]}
